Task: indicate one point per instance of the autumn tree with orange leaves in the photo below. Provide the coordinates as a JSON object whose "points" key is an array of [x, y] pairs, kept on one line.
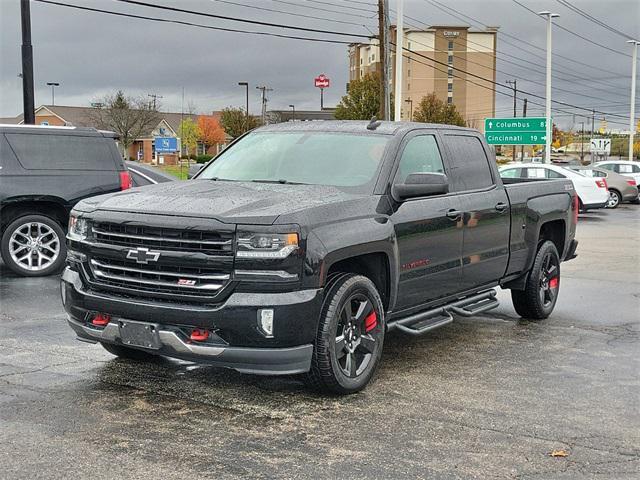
{"points": [[211, 132]]}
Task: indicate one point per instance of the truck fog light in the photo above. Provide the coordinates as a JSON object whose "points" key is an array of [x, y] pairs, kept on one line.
{"points": [[265, 321]]}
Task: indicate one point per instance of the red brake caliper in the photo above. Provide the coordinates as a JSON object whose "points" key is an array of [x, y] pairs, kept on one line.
{"points": [[370, 322], [553, 283]]}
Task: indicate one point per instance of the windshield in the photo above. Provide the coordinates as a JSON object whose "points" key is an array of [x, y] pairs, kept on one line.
{"points": [[319, 158]]}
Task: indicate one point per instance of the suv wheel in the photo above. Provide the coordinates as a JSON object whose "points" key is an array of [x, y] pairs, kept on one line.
{"points": [[34, 245], [540, 294], [350, 336]]}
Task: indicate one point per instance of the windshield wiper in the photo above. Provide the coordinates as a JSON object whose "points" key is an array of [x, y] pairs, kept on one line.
{"points": [[281, 181]]}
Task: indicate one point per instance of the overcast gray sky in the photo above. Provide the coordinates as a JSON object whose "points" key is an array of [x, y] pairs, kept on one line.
{"points": [[92, 54]]}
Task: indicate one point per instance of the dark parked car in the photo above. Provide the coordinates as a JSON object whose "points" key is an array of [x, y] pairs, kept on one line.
{"points": [[304, 243], [44, 172]]}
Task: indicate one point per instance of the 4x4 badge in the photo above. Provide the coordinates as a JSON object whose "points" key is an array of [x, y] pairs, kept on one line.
{"points": [[143, 255]]}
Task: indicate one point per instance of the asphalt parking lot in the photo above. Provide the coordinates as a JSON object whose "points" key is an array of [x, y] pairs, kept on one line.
{"points": [[484, 397]]}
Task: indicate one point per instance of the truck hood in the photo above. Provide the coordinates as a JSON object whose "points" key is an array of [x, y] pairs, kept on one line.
{"points": [[229, 202]]}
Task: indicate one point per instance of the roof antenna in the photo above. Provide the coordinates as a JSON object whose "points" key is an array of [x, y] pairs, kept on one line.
{"points": [[374, 123]]}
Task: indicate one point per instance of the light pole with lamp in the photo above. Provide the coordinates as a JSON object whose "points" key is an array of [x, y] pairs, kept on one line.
{"points": [[293, 114], [53, 85], [246, 122], [547, 148]]}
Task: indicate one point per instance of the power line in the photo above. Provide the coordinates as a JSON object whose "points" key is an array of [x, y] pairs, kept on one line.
{"points": [[343, 6], [191, 24], [593, 19], [574, 33], [323, 9], [302, 15], [242, 20]]}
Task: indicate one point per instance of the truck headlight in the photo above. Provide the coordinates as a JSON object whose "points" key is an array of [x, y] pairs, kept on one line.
{"points": [[266, 245], [78, 227]]}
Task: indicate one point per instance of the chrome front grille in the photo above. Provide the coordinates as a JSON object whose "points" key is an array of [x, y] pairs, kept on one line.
{"points": [[157, 277], [210, 243]]}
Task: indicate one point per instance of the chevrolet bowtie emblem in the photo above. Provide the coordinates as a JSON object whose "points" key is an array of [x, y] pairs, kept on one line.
{"points": [[143, 255]]}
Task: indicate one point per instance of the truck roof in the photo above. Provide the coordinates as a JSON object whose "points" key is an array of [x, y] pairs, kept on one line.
{"points": [[55, 129], [356, 126]]}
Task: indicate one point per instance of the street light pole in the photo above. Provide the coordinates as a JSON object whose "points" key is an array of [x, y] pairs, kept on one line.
{"points": [[410, 102], [634, 63], [53, 85], [581, 142], [293, 115], [246, 113], [28, 102], [399, 49], [547, 148]]}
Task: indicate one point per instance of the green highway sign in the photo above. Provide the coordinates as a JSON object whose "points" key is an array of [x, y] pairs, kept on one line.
{"points": [[515, 138], [515, 131]]}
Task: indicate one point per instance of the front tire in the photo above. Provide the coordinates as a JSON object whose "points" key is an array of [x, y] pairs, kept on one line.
{"points": [[34, 246], [350, 336], [538, 299]]}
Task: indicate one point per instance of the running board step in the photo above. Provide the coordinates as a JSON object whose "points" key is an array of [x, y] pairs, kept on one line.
{"points": [[423, 322]]}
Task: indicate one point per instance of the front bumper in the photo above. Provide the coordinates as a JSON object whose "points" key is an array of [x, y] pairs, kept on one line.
{"points": [[240, 344]]}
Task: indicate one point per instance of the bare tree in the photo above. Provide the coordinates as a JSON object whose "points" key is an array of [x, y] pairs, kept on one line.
{"points": [[129, 117]]}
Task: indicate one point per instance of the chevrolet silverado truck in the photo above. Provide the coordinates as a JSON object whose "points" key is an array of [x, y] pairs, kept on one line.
{"points": [[302, 244]]}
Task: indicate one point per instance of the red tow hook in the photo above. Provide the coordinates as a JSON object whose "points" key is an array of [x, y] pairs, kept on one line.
{"points": [[100, 319], [370, 322], [199, 335], [553, 283]]}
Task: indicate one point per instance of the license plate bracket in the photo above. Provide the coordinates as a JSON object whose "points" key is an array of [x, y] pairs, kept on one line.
{"points": [[139, 334]]}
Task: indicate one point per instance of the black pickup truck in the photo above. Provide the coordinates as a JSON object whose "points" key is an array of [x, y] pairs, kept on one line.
{"points": [[302, 244]]}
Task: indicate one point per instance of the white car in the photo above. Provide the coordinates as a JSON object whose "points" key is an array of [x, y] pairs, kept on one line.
{"points": [[592, 192], [623, 167]]}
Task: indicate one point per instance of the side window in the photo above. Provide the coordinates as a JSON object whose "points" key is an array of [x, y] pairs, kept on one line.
{"points": [[511, 173], [420, 155], [470, 169], [61, 152], [554, 174], [608, 166], [623, 168], [635, 168]]}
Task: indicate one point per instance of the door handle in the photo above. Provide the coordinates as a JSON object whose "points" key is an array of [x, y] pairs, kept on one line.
{"points": [[454, 214], [501, 207]]}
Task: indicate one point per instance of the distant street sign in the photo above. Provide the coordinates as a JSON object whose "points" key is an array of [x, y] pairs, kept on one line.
{"points": [[515, 131], [166, 144], [601, 146], [322, 81]]}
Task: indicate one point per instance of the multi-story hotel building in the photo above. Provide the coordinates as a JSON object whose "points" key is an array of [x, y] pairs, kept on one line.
{"points": [[456, 63]]}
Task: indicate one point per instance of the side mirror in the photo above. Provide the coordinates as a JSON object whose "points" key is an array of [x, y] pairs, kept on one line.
{"points": [[421, 185]]}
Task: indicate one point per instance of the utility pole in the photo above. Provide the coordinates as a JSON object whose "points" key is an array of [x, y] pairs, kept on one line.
{"points": [[547, 149], [154, 96], [383, 45], [514, 86], [524, 114], [410, 102], [399, 49], [581, 142], [264, 90], [293, 112], [53, 85], [28, 102], [634, 67]]}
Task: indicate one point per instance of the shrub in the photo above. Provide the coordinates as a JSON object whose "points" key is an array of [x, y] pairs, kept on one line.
{"points": [[203, 158]]}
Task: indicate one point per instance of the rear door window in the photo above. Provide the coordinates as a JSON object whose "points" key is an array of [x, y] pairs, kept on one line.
{"points": [[536, 173], [511, 173], [470, 168], [554, 174], [61, 152]]}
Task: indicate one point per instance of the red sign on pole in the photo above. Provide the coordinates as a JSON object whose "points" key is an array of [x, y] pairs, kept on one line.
{"points": [[322, 81]]}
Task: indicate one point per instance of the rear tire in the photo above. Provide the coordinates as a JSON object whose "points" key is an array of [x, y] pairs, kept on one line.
{"points": [[350, 336], [128, 353], [615, 199], [34, 246], [538, 299]]}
